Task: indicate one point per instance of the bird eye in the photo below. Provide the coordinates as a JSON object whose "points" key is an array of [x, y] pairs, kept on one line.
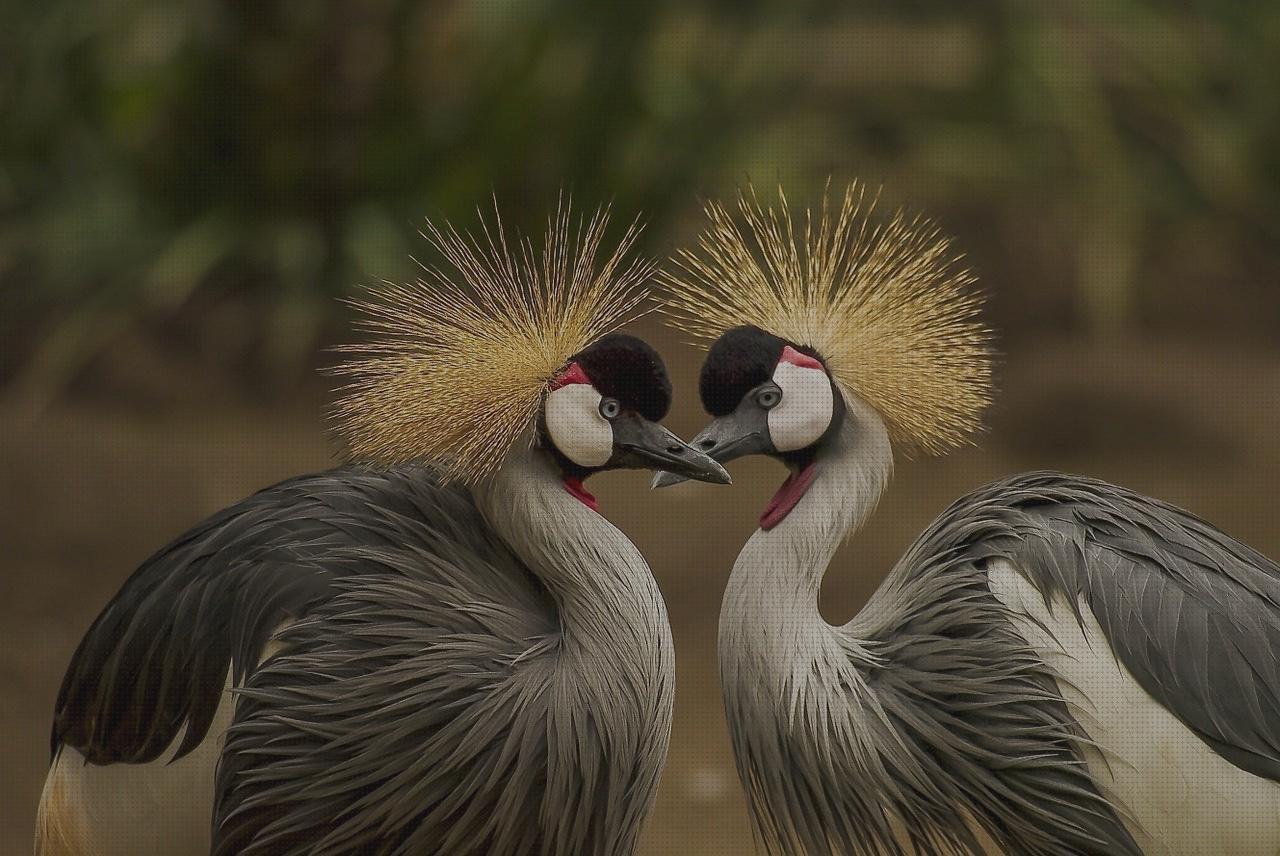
{"points": [[610, 408], [769, 397]]}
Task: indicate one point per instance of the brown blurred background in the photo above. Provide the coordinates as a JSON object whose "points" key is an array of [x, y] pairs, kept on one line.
{"points": [[188, 186]]}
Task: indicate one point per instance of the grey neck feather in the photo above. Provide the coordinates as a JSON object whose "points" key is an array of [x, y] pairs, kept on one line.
{"points": [[600, 582], [780, 662], [770, 616], [611, 697]]}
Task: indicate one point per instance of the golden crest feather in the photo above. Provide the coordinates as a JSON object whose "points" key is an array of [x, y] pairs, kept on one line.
{"points": [[885, 304], [462, 357]]}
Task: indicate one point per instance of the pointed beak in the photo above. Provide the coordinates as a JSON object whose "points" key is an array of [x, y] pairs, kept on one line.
{"points": [[641, 444], [725, 438]]}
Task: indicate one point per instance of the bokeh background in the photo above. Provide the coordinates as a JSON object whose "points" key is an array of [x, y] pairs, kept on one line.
{"points": [[187, 188]]}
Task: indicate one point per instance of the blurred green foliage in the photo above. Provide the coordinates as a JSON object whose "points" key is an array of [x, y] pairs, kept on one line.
{"points": [[222, 169]]}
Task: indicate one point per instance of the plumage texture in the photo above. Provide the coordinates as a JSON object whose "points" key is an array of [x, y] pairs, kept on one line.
{"points": [[883, 304], [922, 720], [463, 355], [339, 741], [928, 717], [431, 694], [157, 657], [1192, 613]]}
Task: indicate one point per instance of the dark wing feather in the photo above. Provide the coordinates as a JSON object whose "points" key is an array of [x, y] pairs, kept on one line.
{"points": [[984, 736], [1192, 613], [406, 715], [408, 712], [158, 655]]}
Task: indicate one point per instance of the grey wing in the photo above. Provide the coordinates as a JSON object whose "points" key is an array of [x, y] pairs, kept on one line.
{"points": [[985, 735], [156, 659], [1192, 613], [154, 663], [405, 714]]}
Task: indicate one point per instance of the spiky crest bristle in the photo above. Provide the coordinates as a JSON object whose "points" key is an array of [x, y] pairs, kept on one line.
{"points": [[885, 304], [463, 355]]}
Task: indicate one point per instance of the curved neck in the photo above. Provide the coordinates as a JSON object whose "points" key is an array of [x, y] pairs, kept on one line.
{"points": [[600, 582], [613, 686], [772, 595]]}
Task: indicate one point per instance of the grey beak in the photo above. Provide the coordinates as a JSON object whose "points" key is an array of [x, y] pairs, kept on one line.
{"points": [[642, 444], [665, 478], [724, 439]]}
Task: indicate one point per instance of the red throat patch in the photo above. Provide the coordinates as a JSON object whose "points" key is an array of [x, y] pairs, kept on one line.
{"points": [[573, 484], [804, 361], [792, 490], [572, 374]]}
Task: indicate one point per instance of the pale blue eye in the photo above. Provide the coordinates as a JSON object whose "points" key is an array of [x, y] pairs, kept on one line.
{"points": [[610, 408], [768, 398]]}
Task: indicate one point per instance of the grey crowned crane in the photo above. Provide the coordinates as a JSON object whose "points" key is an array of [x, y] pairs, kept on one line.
{"points": [[442, 648], [1057, 665]]}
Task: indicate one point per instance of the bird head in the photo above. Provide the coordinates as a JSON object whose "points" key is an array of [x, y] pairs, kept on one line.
{"points": [[501, 345], [806, 322], [768, 396], [603, 410]]}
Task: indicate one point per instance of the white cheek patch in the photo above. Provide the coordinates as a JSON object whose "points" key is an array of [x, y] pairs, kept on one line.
{"points": [[576, 427], [804, 413]]}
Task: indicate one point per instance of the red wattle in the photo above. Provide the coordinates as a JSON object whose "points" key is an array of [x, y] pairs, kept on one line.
{"points": [[573, 484], [786, 498]]}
